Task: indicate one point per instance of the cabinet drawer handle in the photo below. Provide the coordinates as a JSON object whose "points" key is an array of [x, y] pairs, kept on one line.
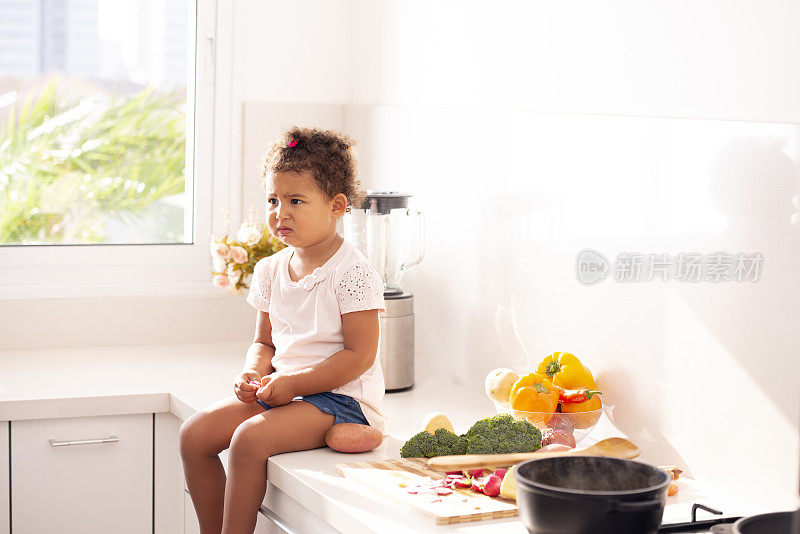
{"points": [[109, 439]]}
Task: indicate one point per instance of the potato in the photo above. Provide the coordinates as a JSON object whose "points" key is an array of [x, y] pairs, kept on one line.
{"points": [[352, 437], [434, 421], [498, 384]]}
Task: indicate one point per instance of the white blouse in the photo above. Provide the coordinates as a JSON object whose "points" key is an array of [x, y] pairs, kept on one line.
{"points": [[306, 316]]}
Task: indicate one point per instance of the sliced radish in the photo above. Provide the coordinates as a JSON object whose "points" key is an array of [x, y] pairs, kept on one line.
{"points": [[492, 486]]}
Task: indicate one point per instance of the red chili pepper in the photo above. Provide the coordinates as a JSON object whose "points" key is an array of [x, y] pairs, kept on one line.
{"points": [[576, 395]]}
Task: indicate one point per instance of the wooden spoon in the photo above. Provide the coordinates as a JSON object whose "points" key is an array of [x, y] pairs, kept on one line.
{"points": [[612, 447]]}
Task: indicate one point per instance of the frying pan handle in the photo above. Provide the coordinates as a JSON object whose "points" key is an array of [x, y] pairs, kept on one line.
{"points": [[637, 506]]}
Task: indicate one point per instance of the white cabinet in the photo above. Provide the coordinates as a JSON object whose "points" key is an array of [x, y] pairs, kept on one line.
{"points": [[264, 525], [190, 524], [169, 493], [5, 511], [82, 474]]}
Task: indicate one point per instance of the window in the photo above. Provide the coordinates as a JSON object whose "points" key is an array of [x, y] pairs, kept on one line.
{"points": [[106, 113], [93, 132]]}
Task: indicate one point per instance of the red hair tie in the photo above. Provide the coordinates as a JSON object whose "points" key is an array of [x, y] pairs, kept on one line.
{"points": [[293, 143]]}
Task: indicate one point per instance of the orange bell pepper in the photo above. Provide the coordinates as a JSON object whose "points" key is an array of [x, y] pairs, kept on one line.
{"points": [[534, 393], [579, 418], [566, 371], [576, 407]]}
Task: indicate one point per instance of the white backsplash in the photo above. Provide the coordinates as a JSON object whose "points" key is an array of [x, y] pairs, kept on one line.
{"points": [[510, 200]]}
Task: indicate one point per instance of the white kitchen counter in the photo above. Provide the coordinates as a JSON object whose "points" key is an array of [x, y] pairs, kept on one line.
{"points": [[181, 379]]}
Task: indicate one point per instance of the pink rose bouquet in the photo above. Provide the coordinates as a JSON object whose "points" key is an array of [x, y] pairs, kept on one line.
{"points": [[235, 259]]}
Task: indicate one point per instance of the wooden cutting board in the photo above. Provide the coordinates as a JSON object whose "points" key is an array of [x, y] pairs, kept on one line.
{"points": [[393, 478]]}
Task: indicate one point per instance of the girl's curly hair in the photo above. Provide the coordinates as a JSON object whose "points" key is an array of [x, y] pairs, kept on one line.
{"points": [[329, 157]]}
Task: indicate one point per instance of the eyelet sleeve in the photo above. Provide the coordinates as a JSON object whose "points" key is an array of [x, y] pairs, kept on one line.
{"points": [[361, 288], [260, 286]]}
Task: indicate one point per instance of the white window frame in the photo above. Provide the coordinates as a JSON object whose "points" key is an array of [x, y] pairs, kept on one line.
{"points": [[79, 271]]}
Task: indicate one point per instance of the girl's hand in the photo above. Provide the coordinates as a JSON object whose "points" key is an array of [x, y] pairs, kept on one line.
{"points": [[245, 386], [277, 391]]}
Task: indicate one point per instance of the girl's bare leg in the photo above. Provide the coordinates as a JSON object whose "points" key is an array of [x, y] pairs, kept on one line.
{"points": [[296, 426], [202, 437]]}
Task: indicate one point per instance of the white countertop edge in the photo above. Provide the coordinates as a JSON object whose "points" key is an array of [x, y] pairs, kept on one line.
{"points": [[180, 408], [84, 406], [94, 405]]}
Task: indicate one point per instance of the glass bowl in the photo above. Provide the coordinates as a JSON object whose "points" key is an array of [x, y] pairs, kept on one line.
{"points": [[579, 424]]}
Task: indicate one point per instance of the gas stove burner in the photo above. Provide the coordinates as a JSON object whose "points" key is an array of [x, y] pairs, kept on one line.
{"points": [[704, 524]]}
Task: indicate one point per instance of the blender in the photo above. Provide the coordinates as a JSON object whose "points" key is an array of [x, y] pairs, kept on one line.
{"points": [[391, 236]]}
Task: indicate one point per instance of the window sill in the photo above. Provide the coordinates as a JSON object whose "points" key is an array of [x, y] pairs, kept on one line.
{"points": [[72, 291]]}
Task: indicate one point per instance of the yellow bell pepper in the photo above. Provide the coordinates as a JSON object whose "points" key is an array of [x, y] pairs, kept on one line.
{"points": [[566, 371], [534, 393]]}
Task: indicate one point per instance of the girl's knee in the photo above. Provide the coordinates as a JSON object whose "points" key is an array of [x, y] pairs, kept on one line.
{"points": [[190, 435], [352, 437], [197, 435], [248, 441]]}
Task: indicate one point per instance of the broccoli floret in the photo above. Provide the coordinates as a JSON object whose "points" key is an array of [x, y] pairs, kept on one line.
{"points": [[440, 443], [502, 433], [498, 434], [445, 440], [480, 428], [422, 445], [460, 446]]}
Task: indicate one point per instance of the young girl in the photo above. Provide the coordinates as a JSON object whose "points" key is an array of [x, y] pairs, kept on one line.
{"points": [[311, 376]]}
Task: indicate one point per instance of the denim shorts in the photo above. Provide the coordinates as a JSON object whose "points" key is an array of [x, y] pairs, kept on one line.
{"points": [[343, 408]]}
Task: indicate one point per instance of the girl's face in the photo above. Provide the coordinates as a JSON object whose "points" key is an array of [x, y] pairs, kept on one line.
{"points": [[299, 214]]}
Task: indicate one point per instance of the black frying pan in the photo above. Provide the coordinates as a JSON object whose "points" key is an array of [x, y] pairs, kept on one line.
{"points": [[774, 523]]}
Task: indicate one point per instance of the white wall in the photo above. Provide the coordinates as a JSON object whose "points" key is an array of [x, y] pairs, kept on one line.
{"points": [[529, 131], [293, 51], [708, 58]]}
